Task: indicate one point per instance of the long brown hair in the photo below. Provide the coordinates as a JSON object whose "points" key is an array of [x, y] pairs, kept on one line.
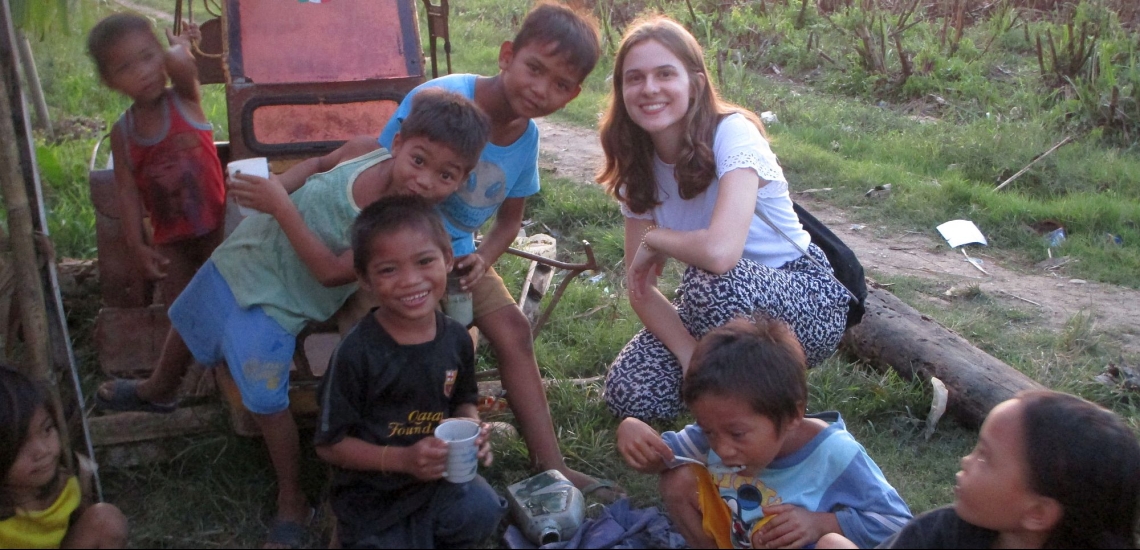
{"points": [[628, 172]]}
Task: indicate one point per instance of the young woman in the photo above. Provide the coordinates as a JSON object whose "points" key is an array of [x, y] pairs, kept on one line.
{"points": [[698, 183]]}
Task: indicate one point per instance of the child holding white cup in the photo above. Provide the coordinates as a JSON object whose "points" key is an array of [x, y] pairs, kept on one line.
{"points": [[257, 166], [402, 374]]}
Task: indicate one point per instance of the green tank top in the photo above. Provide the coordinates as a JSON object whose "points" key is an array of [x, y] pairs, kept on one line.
{"points": [[261, 267]]}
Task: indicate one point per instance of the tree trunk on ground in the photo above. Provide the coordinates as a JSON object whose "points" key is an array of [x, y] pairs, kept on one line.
{"points": [[895, 335]]}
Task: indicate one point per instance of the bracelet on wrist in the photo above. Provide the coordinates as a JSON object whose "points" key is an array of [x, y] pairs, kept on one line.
{"points": [[645, 234]]}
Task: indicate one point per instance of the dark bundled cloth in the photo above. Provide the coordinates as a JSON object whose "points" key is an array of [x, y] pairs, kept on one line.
{"points": [[618, 526]]}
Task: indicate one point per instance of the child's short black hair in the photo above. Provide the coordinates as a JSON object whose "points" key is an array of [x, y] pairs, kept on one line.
{"points": [[758, 360], [389, 215], [19, 399], [449, 119], [575, 33], [111, 29], [1087, 459]]}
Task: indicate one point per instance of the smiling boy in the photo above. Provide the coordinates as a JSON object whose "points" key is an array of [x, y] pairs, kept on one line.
{"points": [[540, 71]]}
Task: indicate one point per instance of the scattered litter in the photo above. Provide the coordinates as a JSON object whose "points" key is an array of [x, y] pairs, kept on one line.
{"points": [[1019, 298], [810, 191], [878, 191], [597, 278], [1077, 281], [1055, 263], [858, 227], [976, 262], [1114, 239], [971, 291], [1123, 376], [960, 232], [835, 145], [768, 117], [937, 405], [1056, 237]]}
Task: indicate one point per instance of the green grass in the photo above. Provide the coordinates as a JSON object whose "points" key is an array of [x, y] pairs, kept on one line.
{"points": [[831, 134]]}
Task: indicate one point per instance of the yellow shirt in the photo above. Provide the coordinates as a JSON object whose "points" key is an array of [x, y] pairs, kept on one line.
{"points": [[44, 528]]}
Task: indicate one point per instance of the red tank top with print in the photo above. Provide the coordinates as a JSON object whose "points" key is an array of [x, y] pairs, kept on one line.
{"points": [[178, 174]]}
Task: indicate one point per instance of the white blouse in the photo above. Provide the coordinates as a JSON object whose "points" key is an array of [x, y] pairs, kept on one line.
{"points": [[737, 144]]}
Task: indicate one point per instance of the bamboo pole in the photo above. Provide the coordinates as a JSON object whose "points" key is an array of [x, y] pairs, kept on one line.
{"points": [[29, 290], [35, 88]]}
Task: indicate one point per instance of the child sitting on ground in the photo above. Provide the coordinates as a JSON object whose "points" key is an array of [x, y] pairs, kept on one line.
{"points": [[1050, 470], [163, 150], [41, 505], [540, 72], [401, 371], [291, 265], [754, 471]]}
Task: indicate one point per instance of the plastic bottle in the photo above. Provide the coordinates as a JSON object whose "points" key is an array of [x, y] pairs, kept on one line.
{"points": [[547, 507]]}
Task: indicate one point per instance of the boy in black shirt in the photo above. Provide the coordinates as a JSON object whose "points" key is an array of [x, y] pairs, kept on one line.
{"points": [[403, 370]]}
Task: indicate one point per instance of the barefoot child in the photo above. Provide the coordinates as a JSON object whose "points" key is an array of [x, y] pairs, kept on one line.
{"points": [[40, 504], [163, 150], [291, 265], [540, 71], [765, 475], [1050, 470], [403, 370]]}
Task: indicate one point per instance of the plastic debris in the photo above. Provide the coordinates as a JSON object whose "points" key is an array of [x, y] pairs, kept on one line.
{"points": [[937, 406], [960, 232], [1056, 237], [878, 191], [768, 117], [1114, 239]]}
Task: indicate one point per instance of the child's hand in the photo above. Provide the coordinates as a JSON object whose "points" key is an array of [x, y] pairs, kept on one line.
{"points": [[263, 194], [190, 33], [642, 447], [483, 443], [427, 459], [153, 263], [793, 527], [474, 265]]}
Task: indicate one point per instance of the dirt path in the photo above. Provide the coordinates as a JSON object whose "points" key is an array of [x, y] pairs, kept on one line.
{"points": [[575, 153]]}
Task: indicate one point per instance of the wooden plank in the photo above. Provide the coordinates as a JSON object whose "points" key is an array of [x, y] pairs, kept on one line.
{"points": [[538, 277], [129, 340], [133, 427]]}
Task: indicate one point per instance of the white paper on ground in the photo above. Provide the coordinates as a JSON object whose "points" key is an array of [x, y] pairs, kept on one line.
{"points": [[960, 232]]}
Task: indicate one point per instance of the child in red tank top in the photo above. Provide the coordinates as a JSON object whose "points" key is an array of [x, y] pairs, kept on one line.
{"points": [[163, 150]]}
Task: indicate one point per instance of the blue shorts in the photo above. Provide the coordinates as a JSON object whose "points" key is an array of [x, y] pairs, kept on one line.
{"points": [[257, 349]]}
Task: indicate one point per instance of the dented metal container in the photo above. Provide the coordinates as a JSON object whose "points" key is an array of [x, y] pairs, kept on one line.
{"points": [[547, 507]]}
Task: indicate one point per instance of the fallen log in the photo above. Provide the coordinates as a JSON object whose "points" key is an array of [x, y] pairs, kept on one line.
{"points": [[895, 335]]}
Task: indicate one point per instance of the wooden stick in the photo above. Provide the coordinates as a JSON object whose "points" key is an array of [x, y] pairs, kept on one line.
{"points": [[1034, 161]]}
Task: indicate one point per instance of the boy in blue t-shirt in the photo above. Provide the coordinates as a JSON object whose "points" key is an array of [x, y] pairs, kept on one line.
{"points": [[754, 471], [540, 71]]}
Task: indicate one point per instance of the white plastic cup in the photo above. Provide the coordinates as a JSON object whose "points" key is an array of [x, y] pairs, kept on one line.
{"points": [[257, 166], [462, 454]]}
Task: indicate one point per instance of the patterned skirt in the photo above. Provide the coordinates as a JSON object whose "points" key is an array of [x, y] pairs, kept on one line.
{"points": [[644, 380]]}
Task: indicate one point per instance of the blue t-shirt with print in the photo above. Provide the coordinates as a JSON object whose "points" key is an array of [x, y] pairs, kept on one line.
{"points": [[502, 172]]}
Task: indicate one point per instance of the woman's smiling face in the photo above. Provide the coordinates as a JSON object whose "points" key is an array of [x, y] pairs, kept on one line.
{"points": [[656, 89]]}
